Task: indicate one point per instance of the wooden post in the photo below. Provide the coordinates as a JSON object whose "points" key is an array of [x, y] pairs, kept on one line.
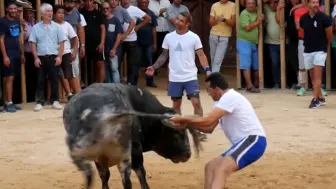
{"points": [[38, 12], [2, 8], [261, 47], [23, 67], [282, 49], [328, 61], [238, 80]]}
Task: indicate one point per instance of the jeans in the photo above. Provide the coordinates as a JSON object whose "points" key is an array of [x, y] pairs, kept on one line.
{"points": [[49, 68], [218, 46], [274, 50], [111, 70], [147, 51], [129, 47]]}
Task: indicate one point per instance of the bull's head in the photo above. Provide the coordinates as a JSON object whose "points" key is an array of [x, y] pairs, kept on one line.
{"points": [[174, 143]]}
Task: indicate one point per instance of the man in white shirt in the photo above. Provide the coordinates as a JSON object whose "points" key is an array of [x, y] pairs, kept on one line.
{"points": [[240, 124], [159, 8], [129, 44], [180, 46]]}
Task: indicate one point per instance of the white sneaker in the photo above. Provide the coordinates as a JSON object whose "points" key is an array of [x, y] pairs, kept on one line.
{"points": [[38, 107], [57, 105]]}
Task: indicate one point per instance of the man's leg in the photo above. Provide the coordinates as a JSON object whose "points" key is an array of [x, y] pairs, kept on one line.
{"points": [[292, 63], [149, 58], [140, 50], [319, 65], [222, 43], [41, 80], [114, 69], [275, 58], [212, 44], [75, 80], [10, 72], [53, 73], [240, 155], [131, 61], [100, 67], [302, 71], [175, 91]]}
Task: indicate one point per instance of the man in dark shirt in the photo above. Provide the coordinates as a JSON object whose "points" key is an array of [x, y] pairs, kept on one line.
{"points": [[317, 30], [12, 53], [146, 43], [95, 39], [113, 37]]}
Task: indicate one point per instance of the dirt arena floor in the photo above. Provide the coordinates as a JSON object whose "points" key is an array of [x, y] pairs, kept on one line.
{"points": [[301, 150]]}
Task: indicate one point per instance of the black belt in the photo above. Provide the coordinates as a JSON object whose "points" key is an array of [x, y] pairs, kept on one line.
{"points": [[48, 56]]}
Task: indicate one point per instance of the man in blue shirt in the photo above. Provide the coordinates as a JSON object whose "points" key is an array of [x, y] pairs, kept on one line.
{"points": [[112, 40], [12, 54], [47, 40], [147, 41]]}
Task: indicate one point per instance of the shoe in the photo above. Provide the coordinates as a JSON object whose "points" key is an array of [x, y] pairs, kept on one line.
{"points": [[301, 91], [56, 105], [10, 107], [324, 93], [38, 107], [70, 96], [322, 101], [314, 104]]}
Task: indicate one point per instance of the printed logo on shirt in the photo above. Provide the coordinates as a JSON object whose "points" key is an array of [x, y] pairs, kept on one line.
{"points": [[179, 47], [315, 24], [14, 30]]}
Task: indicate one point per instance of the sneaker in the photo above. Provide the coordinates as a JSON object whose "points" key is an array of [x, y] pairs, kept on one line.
{"points": [[301, 91], [322, 101], [56, 105], [38, 107], [324, 93], [314, 104], [10, 107]]}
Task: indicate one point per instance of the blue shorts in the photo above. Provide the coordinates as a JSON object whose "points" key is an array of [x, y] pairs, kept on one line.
{"points": [[247, 150], [248, 55], [175, 89], [14, 68]]}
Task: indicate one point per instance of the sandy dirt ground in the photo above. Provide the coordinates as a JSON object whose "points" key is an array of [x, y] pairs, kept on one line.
{"points": [[301, 150]]}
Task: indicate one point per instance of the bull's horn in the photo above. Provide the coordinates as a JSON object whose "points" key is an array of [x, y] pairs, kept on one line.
{"points": [[167, 121]]}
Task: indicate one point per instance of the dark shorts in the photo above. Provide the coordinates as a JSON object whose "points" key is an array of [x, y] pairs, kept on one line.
{"points": [[68, 67], [175, 89], [94, 56], [14, 68]]}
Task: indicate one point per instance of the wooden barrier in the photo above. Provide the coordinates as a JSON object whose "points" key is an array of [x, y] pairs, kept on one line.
{"points": [[237, 56], [328, 61], [23, 67], [282, 49], [261, 47]]}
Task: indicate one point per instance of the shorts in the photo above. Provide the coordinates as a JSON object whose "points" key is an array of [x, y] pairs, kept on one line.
{"points": [[247, 150], [14, 68], [175, 89], [248, 55], [314, 59], [300, 55], [95, 56], [69, 69]]}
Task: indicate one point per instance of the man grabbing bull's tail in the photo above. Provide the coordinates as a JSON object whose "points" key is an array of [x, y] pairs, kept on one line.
{"points": [[240, 124]]}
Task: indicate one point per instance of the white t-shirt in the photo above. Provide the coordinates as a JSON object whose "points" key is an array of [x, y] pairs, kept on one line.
{"points": [[83, 21], [70, 33], [135, 13], [182, 66], [241, 120]]}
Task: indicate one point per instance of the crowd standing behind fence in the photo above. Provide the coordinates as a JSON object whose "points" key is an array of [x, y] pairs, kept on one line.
{"points": [[91, 27]]}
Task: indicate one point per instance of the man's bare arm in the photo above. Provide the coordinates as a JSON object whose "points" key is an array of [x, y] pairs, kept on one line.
{"points": [[2, 46], [202, 58], [162, 59]]}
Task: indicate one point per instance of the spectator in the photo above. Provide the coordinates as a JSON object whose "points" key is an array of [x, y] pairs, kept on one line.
{"points": [[129, 44], [315, 25], [291, 43], [147, 40], [181, 46], [247, 44], [333, 44], [47, 40], [72, 16], [31, 70], [173, 11], [112, 41], [159, 8], [70, 53], [222, 19], [12, 53], [272, 38]]}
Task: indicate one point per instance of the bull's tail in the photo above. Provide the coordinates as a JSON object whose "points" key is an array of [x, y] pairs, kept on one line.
{"points": [[86, 168]]}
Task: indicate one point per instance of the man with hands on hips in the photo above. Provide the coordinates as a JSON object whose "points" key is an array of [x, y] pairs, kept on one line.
{"points": [[180, 46]]}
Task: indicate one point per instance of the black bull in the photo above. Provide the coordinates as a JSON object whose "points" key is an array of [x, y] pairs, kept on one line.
{"points": [[113, 124]]}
